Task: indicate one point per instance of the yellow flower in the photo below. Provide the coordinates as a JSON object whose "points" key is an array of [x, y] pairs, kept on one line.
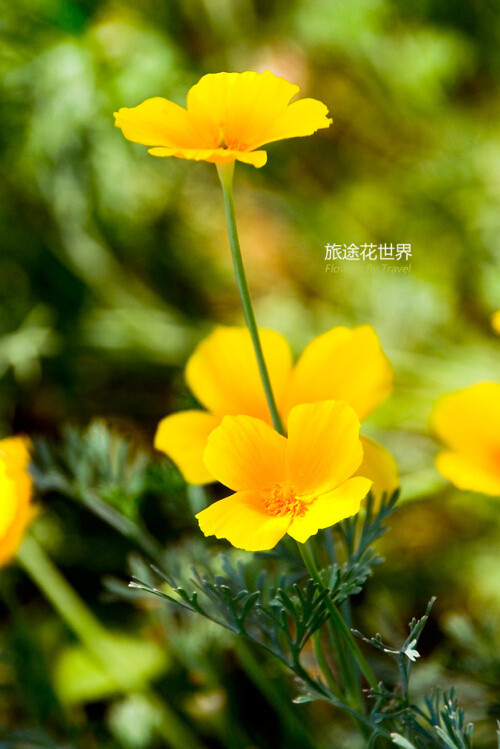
{"points": [[296, 485], [495, 321], [342, 364], [15, 495], [228, 117], [469, 423]]}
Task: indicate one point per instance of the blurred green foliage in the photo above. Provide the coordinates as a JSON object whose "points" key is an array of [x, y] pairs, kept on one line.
{"points": [[116, 263]]}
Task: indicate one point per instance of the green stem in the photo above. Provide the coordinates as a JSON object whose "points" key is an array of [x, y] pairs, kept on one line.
{"points": [[348, 667], [253, 668], [95, 637], [113, 517], [341, 704], [171, 727], [347, 675], [349, 678], [339, 622], [61, 595], [226, 178], [124, 525], [325, 669]]}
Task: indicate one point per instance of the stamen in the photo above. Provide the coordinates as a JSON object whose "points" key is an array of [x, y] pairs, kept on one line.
{"points": [[281, 500], [222, 141], [228, 143]]}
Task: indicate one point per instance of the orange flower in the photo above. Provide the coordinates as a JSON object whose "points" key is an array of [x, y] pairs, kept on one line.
{"points": [[15, 494], [468, 421], [228, 117], [342, 364], [296, 485]]}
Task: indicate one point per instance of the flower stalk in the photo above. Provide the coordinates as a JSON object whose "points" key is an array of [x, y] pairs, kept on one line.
{"points": [[226, 172], [338, 620]]}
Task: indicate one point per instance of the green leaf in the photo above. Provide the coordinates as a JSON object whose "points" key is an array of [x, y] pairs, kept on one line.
{"points": [[401, 741], [80, 678], [447, 740], [302, 698]]}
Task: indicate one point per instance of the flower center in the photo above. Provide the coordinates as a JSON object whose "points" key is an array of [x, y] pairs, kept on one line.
{"points": [[223, 141], [281, 500]]}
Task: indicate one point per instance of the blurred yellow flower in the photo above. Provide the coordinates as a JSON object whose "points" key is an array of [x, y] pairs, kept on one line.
{"points": [[342, 364], [228, 117], [495, 321], [296, 485], [16, 492], [468, 421]]}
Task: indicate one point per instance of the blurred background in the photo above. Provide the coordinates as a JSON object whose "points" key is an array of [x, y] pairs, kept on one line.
{"points": [[115, 264]]}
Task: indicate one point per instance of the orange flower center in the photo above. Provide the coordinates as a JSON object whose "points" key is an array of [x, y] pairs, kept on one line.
{"points": [[282, 500], [232, 144]]}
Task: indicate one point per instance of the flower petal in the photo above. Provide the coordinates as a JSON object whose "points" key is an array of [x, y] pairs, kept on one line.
{"points": [[495, 322], [160, 122], [239, 107], [245, 453], [16, 492], [15, 454], [228, 116], [324, 448], [301, 118], [343, 364], [469, 421], [223, 374], [380, 467], [242, 520], [330, 508], [468, 474], [214, 155], [183, 437], [14, 535]]}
